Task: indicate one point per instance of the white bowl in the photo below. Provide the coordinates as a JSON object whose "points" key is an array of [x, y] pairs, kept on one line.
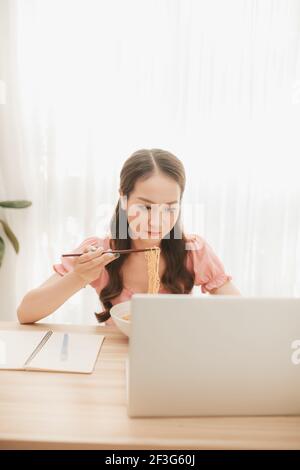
{"points": [[116, 312]]}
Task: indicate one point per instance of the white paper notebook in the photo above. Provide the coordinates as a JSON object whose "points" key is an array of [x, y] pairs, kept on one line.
{"points": [[49, 351]]}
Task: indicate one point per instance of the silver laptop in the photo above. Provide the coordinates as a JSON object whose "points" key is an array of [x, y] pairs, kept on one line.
{"points": [[213, 355]]}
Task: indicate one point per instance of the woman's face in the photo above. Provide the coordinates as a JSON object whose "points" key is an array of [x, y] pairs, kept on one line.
{"points": [[152, 208]]}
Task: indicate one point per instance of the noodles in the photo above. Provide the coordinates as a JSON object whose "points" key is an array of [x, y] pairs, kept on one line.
{"points": [[152, 257]]}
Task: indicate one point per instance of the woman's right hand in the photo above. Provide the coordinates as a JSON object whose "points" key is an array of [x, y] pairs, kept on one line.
{"points": [[90, 265]]}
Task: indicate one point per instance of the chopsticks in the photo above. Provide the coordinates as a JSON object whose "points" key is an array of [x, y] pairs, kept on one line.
{"points": [[111, 251]]}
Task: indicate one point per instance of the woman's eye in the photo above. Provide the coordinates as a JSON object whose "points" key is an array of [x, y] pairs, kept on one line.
{"points": [[168, 209]]}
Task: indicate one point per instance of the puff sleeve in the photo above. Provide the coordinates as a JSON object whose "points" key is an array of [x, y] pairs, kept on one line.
{"points": [[67, 264], [209, 270]]}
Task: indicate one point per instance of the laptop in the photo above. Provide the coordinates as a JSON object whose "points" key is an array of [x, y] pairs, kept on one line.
{"points": [[213, 356]]}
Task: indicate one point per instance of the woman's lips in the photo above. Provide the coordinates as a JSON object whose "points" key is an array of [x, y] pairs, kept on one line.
{"points": [[154, 233]]}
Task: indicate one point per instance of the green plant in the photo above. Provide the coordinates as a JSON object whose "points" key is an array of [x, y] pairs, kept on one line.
{"points": [[7, 230]]}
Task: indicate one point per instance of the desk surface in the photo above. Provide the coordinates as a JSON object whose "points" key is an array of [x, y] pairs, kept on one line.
{"points": [[46, 410]]}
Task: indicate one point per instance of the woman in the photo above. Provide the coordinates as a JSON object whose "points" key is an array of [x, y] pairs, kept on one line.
{"points": [[152, 183]]}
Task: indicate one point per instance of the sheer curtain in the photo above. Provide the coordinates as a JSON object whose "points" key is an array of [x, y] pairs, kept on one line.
{"points": [[86, 83]]}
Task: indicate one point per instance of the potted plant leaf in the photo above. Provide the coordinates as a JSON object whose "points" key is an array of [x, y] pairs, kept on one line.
{"points": [[7, 230]]}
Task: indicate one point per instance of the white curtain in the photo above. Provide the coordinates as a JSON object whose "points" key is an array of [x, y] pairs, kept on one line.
{"points": [[84, 83]]}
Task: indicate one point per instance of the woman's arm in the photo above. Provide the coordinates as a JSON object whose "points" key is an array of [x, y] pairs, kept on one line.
{"points": [[226, 289], [48, 297], [40, 302]]}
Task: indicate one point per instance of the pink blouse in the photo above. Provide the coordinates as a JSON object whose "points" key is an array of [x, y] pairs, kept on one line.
{"points": [[209, 270]]}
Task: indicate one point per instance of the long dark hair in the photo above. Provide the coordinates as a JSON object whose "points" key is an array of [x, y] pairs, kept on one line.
{"points": [[176, 278]]}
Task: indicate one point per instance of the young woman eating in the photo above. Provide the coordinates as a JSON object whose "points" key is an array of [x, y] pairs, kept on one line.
{"points": [[147, 215]]}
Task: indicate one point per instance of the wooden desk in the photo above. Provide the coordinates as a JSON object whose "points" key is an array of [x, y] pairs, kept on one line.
{"points": [[46, 410]]}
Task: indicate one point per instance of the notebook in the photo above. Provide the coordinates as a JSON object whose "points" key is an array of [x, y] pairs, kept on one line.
{"points": [[49, 351]]}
